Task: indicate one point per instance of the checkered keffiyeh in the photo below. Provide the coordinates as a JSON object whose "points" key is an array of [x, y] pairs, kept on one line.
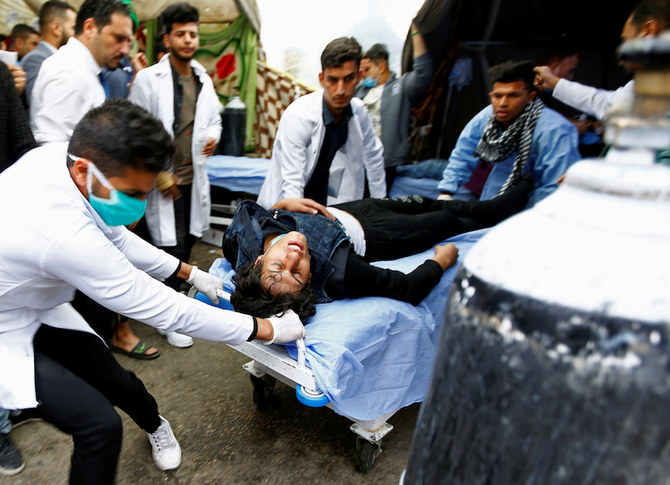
{"points": [[495, 146]]}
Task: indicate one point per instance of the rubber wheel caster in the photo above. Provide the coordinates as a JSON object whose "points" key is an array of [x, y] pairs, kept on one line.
{"points": [[263, 388], [367, 453]]}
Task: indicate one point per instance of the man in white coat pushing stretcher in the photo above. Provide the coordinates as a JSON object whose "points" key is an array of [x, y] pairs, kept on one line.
{"points": [[67, 206]]}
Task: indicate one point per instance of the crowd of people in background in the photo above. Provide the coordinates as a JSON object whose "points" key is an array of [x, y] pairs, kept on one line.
{"points": [[121, 147]]}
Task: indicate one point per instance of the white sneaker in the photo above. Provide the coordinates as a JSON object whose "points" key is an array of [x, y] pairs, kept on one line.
{"points": [[177, 339], [164, 447]]}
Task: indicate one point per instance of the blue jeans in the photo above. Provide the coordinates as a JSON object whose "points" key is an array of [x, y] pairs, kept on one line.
{"points": [[5, 423]]}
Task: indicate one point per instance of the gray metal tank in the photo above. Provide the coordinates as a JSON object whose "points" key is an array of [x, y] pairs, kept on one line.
{"points": [[234, 124], [553, 364]]}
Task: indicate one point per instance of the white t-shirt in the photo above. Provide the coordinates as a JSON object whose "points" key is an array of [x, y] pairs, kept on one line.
{"points": [[352, 228]]}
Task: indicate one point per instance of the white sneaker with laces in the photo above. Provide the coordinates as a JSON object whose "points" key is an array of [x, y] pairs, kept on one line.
{"points": [[164, 447], [177, 339]]}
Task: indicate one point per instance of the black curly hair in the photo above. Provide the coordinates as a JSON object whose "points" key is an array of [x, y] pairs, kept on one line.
{"points": [[252, 298]]}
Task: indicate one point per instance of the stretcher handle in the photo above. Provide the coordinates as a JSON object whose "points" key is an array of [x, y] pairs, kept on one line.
{"points": [[300, 343]]}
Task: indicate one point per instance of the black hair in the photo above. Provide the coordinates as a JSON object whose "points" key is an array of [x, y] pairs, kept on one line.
{"points": [[658, 10], [339, 51], [119, 133], [252, 298], [159, 46], [51, 10], [22, 31], [181, 12], [100, 11], [512, 71], [377, 52]]}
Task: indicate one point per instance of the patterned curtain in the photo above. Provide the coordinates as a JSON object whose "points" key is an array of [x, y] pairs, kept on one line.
{"points": [[276, 90], [229, 53]]}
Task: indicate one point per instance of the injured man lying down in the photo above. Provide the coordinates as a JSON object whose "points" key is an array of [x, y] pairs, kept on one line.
{"points": [[300, 253]]}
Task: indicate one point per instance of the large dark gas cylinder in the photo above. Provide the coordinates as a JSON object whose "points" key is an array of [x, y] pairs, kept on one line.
{"points": [[553, 364], [234, 124]]}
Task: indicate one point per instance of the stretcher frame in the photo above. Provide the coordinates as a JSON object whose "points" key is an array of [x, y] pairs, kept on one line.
{"points": [[275, 362]]}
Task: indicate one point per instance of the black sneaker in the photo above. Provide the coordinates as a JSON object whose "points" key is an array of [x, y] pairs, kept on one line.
{"points": [[11, 462]]}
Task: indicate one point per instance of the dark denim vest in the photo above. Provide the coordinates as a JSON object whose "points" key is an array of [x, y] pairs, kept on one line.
{"points": [[243, 241]]}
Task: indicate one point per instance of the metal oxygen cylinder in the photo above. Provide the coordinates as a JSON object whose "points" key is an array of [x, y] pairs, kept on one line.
{"points": [[234, 121], [554, 357]]}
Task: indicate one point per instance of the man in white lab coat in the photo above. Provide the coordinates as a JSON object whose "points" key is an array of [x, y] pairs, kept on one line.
{"points": [[68, 83], [67, 206], [326, 145], [647, 19], [179, 92]]}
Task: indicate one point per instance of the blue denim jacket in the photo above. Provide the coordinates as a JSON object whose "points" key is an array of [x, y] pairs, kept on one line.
{"points": [[243, 241]]}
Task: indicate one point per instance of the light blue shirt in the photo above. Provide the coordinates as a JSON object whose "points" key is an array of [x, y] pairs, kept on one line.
{"points": [[552, 151]]}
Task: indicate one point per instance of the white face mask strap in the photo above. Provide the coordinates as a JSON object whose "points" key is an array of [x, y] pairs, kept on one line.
{"points": [[93, 170]]}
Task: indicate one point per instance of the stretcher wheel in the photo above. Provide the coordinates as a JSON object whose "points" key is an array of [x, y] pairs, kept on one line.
{"points": [[310, 398], [263, 388], [367, 453]]}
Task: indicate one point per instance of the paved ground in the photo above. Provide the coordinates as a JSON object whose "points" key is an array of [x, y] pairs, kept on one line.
{"points": [[207, 397]]}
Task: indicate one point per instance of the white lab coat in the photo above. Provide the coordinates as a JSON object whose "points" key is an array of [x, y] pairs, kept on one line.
{"points": [[590, 100], [153, 90], [66, 88], [296, 150], [53, 242]]}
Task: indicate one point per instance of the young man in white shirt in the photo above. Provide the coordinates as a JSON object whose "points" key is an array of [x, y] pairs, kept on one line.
{"points": [[50, 359], [179, 92], [326, 147], [68, 83]]}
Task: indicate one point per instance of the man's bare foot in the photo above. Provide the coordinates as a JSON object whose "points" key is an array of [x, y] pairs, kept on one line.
{"points": [[125, 339]]}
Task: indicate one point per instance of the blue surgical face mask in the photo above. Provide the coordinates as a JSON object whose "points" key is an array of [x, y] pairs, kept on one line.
{"points": [[120, 209], [369, 82], [273, 242]]}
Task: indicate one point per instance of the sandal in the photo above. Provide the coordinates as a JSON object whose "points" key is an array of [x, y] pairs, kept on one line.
{"points": [[138, 352]]}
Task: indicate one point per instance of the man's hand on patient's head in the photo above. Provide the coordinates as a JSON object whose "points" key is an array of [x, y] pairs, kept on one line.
{"points": [[306, 206], [446, 256]]}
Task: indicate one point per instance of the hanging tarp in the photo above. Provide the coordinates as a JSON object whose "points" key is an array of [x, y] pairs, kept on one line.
{"points": [[229, 53], [14, 12], [482, 33], [275, 91]]}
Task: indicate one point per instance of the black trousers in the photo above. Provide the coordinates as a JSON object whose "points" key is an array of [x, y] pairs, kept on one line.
{"points": [[395, 228], [78, 382], [185, 240]]}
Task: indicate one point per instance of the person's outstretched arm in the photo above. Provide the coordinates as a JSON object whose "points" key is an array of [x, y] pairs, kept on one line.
{"points": [[362, 279]]}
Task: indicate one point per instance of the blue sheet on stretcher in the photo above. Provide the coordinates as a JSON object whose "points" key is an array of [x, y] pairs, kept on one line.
{"points": [[237, 174], [372, 356], [246, 174]]}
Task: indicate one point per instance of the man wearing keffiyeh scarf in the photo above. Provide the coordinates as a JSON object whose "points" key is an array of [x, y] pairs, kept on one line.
{"points": [[497, 145], [516, 134]]}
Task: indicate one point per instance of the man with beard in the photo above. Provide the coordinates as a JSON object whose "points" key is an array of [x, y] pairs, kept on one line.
{"points": [[179, 92], [68, 84], [514, 135], [57, 21]]}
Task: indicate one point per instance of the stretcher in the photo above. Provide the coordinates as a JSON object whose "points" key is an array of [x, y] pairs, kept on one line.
{"points": [[365, 358], [245, 175]]}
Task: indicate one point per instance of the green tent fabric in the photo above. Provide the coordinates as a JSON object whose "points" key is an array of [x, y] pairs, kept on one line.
{"points": [[229, 53]]}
